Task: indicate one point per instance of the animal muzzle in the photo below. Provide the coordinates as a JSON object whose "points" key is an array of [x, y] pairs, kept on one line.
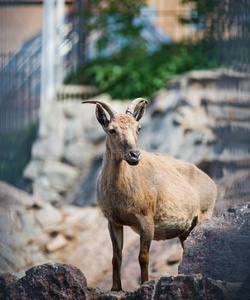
{"points": [[133, 157]]}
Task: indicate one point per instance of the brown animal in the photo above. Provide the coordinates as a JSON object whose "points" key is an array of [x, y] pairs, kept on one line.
{"points": [[158, 196]]}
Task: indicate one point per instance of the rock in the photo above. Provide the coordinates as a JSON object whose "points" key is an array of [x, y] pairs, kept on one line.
{"points": [[43, 190], [49, 216], [49, 281], [61, 176], [183, 287], [244, 291], [165, 101], [85, 195], [76, 153], [5, 280], [73, 129], [57, 243], [52, 121], [32, 170], [94, 134], [50, 148], [194, 287], [10, 196], [72, 109], [10, 256], [219, 248]]}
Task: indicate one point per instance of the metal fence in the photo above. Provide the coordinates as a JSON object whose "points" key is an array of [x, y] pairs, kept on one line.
{"points": [[20, 78], [20, 89], [20, 82]]}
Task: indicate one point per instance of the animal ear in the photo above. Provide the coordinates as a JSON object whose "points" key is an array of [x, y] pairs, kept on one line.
{"points": [[139, 110], [101, 116]]}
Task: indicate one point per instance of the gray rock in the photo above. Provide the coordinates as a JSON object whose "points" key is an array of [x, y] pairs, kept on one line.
{"points": [[11, 196], [72, 109], [52, 121], [165, 101], [183, 287], [49, 216], [219, 248], [61, 176], [73, 129], [5, 280], [86, 193], [77, 153], [49, 281], [10, 256], [175, 287], [50, 148], [43, 190], [32, 170], [94, 133]]}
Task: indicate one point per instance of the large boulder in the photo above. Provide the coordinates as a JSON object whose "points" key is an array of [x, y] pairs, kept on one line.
{"points": [[183, 287], [49, 281], [219, 248], [65, 281], [187, 287], [5, 280]]}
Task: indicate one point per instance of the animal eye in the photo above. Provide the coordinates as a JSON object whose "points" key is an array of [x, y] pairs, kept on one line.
{"points": [[139, 129], [112, 131]]}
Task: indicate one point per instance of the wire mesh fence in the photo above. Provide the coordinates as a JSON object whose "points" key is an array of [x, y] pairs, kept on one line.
{"points": [[20, 90], [20, 79]]}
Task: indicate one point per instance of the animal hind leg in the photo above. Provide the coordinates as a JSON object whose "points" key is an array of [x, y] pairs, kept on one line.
{"points": [[116, 234], [183, 237]]}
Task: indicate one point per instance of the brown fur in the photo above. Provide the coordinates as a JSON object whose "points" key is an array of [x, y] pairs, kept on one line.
{"points": [[159, 198]]}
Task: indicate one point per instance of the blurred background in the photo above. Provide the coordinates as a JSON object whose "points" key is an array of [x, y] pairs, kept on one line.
{"points": [[189, 58]]}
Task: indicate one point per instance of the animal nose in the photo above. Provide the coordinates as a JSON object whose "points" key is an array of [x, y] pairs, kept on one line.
{"points": [[135, 154]]}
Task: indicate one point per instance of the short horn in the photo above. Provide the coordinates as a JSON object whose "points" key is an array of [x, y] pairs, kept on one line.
{"points": [[132, 106], [112, 112]]}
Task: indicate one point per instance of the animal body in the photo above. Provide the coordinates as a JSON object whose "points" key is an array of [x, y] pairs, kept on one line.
{"points": [[158, 196]]}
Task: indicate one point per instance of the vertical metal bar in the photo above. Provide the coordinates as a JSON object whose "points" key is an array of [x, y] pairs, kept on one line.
{"points": [[48, 53], [60, 13]]}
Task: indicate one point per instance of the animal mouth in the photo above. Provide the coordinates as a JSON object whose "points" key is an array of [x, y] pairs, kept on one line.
{"points": [[133, 163], [133, 158]]}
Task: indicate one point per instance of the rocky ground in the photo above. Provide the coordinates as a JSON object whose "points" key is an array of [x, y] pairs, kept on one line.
{"points": [[34, 232], [215, 266]]}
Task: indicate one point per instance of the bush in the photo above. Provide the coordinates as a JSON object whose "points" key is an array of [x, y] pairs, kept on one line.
{"points": [[125, 76]]}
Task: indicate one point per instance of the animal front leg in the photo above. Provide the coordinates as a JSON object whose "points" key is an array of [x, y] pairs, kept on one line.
{"points": [[146, 235], [116, 234]]}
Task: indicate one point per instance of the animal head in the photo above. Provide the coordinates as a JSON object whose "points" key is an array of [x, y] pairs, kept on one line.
{"points": [[122, 129]]}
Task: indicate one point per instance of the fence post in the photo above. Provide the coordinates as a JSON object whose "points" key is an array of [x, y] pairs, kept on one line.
{"points": [[48, 53], [60, 13]]}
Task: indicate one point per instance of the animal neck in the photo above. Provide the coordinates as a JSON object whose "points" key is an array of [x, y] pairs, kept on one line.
{"points": [[113, 164]]}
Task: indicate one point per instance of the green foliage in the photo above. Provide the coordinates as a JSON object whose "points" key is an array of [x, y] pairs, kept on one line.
{"points": [[15, 153], [115, 21], [133, 72], [127, 76]]}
